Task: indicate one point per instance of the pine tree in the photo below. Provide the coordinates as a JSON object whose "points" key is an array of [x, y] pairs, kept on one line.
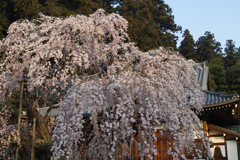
{"points": [[218, 75], [4, 22], [234, 78], [231, 66], [207, 47], [26, 9], [151, 23], [230, 52], [188, 46]]}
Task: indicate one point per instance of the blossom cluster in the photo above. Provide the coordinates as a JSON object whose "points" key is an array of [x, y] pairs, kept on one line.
{"points": [[155, 91], [47, 52], [8, 134]]}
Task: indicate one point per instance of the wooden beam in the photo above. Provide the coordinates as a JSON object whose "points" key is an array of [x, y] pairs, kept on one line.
{"points": [[33, 140], [229, 102], [19, 116], [218, 144], [216, 135], [226, 147], [116, 152], [229, 134]]}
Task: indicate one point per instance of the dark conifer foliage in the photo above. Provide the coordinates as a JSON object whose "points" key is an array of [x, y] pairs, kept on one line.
{"points": [[218, 75], [230, 53], [4, 21], [207, 47], [188, 46], [234, 78], [232, 64], [151, 23]]}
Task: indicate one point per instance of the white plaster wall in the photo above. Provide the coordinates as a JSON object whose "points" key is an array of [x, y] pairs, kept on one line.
{"points": [[212, 132], [201, 124], [222, 147], [232, 150], [217, 139]]}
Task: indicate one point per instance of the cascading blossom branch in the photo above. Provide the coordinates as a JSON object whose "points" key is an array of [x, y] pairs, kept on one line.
{"points": [[8, 134], [155, 90], [50, 52]]}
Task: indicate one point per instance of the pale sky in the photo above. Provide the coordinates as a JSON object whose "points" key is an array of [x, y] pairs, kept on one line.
{"points": [[220, 17]]}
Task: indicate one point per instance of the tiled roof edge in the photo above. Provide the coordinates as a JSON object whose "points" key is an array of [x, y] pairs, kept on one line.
{"points": [[224, 130]]}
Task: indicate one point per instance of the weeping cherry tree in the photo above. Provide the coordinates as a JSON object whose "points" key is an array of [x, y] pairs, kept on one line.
{"points": [[109, 92]]}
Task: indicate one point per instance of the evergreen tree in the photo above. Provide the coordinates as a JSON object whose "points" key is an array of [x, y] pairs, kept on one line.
{"points": [[234, 78], [26, 9], [73, 7], [230, 52], [218, 75], [207, 47], [231, 66], [4, 22], [151, 23], [188, 47]]}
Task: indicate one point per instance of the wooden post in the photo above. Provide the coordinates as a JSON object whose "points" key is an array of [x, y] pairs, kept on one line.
{"points": [[19, 117], [132, 151], [33, 139], [205, 128], [37, 92], [116, 152]]}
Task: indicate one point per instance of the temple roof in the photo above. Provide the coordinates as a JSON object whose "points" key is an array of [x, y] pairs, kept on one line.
{"points": [[203, 73], [224, 130], [233, 128], [219, 98]]}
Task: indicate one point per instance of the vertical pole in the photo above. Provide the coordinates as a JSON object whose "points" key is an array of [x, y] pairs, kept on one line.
{"points": [[116, 152], [132, 151], [37, 92], [19, 117], [33, 139]]}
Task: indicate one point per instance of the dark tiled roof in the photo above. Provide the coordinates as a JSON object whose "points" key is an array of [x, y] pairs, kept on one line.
{"points": [[224, 130], [218, 97], [235, 128], [211, 98], [202, 73]]}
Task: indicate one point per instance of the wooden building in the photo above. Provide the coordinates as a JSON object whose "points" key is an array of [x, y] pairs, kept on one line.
{"points": [[221, 116]]}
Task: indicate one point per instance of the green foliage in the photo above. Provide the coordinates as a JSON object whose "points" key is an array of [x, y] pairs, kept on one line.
{"points": [[217, 75], [234, 78], [230, 52], [151, 23], [207, 47], [231, 64], [188, 47], [4, 22]]}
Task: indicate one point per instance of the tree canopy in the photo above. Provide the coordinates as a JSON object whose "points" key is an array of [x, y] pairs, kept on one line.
{"points": [[188, 46], [90, 68], [207, 47], [151, 23]]}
